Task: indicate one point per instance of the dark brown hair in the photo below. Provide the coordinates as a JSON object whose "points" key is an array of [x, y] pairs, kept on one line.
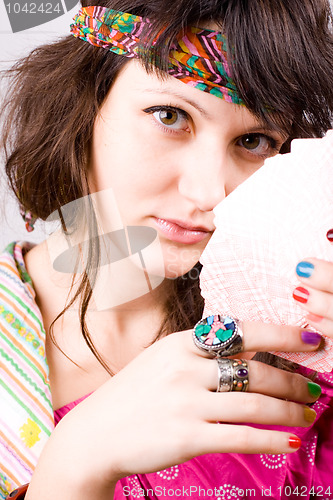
{"points": [[281, 57]]}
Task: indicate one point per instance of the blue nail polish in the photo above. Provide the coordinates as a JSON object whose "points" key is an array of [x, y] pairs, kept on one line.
{"points": [[304, 269]]}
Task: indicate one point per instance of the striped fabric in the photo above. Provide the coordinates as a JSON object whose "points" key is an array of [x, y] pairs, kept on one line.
{"points": [[26, 415], [199, 58]]}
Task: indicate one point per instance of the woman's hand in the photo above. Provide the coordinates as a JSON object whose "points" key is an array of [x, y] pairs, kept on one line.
{"points": [[162, 409], [315, 294]]}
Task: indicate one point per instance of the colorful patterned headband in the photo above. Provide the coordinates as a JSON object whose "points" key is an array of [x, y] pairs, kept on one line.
{"points": [[198, 59]]}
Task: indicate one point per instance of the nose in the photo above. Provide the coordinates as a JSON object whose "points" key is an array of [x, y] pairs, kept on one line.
{"points": [[203, 178]]}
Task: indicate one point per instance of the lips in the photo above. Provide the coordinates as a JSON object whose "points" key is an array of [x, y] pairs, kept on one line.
{"points": [[182, 231]]}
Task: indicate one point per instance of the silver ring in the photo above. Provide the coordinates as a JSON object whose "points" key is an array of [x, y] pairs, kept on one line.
{"points": [[219, 335], [233, 375]]}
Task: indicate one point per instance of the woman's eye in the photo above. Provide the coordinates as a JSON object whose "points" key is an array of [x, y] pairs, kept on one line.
{"points": [[169, 117], [259, 144]]}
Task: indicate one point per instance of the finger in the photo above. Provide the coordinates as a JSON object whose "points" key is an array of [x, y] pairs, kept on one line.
{"points": [[262, 337], [316, 273], [319, 305], [241, 439], [232, 407], [271, 381], [324, 325], [263, 379]]}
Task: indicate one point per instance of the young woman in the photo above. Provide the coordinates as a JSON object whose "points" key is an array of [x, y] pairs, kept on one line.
{"points": [[166, 107]]}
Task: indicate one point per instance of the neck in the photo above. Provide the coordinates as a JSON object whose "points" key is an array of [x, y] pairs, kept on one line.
{"points": [[119, 334], [54, 290]]}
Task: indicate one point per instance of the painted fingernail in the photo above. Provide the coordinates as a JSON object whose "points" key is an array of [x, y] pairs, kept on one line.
{"points": [[314, 317], [314, 390], [294, 442], [304, 269], [312, 338], [309, 414], [301, 294], [329, 235]]}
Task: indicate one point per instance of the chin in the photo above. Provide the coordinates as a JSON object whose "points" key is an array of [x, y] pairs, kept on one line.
{"points": [[179, 261], [164, 260], [188, 272]]}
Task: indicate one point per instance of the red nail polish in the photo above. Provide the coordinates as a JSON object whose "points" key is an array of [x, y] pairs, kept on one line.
{"points": [[301, 294], [314, 317], [294, 442], [329, 235]]}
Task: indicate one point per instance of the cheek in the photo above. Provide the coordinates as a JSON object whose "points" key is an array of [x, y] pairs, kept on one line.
{"points": [[239, 171], [136, 174]]}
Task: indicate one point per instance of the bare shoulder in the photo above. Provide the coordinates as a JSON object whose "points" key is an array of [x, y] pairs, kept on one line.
{"points": [[73, 371]]}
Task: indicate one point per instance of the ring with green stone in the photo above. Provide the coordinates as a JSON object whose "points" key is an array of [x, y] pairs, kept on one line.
{"points": [[219, 335]]}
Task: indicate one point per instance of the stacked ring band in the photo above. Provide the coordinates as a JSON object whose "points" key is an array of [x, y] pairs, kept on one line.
{"points": [[219, 335], [233, 375]]}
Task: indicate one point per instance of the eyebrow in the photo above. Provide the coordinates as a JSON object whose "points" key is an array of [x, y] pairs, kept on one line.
{"points": [[266, 128], [174, 93], [260, 126]]}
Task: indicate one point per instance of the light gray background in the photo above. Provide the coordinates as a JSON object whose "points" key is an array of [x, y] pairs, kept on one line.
{"points": [[14, 46]]}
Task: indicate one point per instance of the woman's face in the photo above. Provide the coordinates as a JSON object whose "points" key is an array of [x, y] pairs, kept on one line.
{"points": [[170, 153]]}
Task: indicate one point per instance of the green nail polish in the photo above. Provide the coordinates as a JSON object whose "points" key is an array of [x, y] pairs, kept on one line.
{"points": [[314, 389]]}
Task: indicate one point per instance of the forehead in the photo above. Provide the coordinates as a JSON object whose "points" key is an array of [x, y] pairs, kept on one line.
{"points": [[134, 85]]}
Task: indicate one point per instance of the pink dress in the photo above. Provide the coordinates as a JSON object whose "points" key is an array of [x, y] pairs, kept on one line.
{"points": [[307, 473]]}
